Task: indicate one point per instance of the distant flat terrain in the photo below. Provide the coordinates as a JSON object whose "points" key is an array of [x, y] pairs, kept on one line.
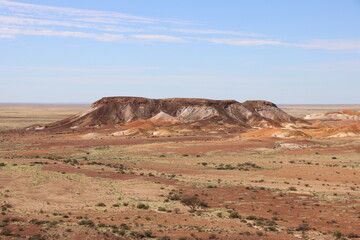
{"points": [[23, 115], [301, 110]]}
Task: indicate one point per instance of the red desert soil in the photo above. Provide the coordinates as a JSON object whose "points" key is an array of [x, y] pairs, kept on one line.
{"points": [[245, 183]]}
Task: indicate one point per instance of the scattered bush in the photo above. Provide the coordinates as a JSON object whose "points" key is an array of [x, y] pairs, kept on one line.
{"points": [[193, 202], [164, 238], [124, 226], [234, 215], [183, 238], [87, 223], [142, 206], [102, 225], [337, 234], [212, 236], [101, 204], [353, 235], [6, 232], [148, 234], [173, 197], [303, 227], [37, 237], [38, 222], [6, 206], [251, 217], [161, 209], [137, 234], [271, 228]]}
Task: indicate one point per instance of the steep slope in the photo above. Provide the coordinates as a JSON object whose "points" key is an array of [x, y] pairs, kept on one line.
{"points": [[110, 111]]}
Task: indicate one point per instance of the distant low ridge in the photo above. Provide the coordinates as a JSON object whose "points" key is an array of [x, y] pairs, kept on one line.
{"points": [[110, 111], [341, 115]]}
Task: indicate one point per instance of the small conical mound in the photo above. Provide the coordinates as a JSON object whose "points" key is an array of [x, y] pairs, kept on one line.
{"points": [[164, 118]]}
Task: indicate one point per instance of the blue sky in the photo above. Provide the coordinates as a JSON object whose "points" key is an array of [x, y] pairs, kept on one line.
{"points": [[305, 52]]}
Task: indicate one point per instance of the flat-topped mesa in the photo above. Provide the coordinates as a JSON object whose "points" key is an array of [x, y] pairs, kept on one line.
{"points": [[141, 100], [259, 103], [110, 111]]}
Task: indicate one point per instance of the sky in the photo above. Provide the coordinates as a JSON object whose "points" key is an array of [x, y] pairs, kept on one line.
{"points": [[286, 52]]}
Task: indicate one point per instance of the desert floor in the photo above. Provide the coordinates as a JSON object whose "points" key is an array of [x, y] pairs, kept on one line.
{"points": [[80, 185]]}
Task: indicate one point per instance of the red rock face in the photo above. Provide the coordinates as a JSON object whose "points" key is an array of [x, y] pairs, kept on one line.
{"points": [[121, 110]]}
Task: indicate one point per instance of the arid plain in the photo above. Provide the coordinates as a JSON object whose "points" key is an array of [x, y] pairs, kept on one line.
{"points": [[267, 183]]}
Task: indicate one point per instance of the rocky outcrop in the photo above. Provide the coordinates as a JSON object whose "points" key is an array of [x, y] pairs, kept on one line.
{"points": [[341, 115], [110, 111]]}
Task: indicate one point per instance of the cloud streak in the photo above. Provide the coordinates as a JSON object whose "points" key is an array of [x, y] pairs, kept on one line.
{"points": [[243, 42], [18, 19], [331, 44], [211, 32], [46, 11], [162, 38], [50, 33], [89, 69]]}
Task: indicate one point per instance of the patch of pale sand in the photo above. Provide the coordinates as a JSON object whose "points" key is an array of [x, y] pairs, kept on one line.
{"points": [[344, 134], [143, 124], [164, 133], [92, 136], [290, 146], [130, 132]]}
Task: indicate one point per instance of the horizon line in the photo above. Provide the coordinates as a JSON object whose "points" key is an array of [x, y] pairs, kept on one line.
{"points": [[86, 103]]}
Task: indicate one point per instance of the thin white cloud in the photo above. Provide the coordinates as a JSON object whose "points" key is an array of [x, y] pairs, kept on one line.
{"points": [[331, 44], [6, 36], [242, 42], [324, 44], [18, 18], [21, 21], [42, 10], [90, 69], [153, 37], [50, 33], [215, 32], [17, 15]]}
